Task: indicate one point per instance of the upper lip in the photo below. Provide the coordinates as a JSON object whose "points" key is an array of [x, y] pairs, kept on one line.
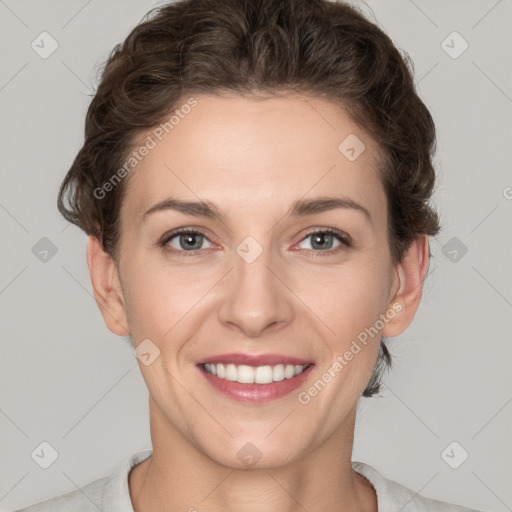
{"points": [[254, 360]]}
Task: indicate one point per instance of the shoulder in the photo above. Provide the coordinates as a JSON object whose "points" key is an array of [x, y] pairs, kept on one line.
{"points": [[394, 497], [110, 493], [88, 498]]}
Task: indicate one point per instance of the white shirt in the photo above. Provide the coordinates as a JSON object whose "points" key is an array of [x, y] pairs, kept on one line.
{"points": [[111, 493]]}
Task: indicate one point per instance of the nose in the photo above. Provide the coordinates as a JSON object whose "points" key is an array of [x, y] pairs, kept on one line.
{"points": [[256, 297]]}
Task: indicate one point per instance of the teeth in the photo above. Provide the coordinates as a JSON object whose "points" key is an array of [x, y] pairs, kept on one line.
{"points": [[231, 372], [249, 374], [278, 373], [245, 374], [263, 375]]}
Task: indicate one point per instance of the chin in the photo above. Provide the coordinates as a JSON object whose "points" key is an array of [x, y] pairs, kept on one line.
{"points": [[253, 455]]}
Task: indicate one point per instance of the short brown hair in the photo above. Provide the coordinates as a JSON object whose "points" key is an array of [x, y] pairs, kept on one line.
{"points": [[318, 47]]}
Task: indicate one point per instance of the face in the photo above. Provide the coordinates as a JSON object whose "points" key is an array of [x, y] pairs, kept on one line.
{"points": [[258, 277]]}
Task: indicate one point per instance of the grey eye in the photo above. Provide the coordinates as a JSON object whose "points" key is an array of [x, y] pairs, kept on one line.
{"points": [[187, 241], [322, 240]]}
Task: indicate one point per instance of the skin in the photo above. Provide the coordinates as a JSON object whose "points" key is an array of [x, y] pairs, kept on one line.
{"points": [[253, 158]]}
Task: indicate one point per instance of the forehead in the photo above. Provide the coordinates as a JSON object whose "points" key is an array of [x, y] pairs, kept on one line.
{"points": [[247, 153]]}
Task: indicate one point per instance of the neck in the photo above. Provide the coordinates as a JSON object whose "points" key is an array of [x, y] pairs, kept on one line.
{"points": [[178, 476]]}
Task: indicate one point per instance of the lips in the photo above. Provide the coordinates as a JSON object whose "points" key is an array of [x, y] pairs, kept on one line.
{"points": [[252, 391], [256, 393], [254, 360]]}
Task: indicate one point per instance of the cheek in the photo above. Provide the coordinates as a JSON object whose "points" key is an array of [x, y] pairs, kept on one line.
{"points": [[349, 305], [349, 302], [158, 297], [347, 299]]}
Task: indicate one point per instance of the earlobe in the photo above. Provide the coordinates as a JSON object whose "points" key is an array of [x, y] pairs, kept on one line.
{"points": [[106, 287], [410, 274]]}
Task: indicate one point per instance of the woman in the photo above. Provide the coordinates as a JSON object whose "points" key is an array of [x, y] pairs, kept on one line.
{"points": [[255, 184]]}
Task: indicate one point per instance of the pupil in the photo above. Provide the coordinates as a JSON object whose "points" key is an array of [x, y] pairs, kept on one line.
{"points": [[188, 239], [321, 237]]}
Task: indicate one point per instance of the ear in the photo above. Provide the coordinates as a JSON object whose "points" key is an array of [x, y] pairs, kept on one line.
{"points": [[408, 282], [107, 287]]}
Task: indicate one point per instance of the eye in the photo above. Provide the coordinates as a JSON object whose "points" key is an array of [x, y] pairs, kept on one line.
{"points": [[188, 242], [322, 241], [184, 241]]}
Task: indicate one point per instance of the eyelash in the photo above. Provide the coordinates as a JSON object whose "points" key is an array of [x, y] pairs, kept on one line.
{"points": [[345, 242]]}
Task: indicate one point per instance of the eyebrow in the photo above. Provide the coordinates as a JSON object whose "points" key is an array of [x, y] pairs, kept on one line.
{"points": [[300, 208]]}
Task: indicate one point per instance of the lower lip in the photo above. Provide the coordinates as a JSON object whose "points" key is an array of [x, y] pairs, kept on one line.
{"points": [[256, 393]]}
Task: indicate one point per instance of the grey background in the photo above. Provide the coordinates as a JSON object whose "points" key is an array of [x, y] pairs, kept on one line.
{"points": [[67, 380]]}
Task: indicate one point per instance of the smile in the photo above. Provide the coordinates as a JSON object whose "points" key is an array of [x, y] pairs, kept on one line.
{"points": [[255, 384], [245, 374]]}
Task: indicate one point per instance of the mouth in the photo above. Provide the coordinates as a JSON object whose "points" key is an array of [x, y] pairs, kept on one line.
{"points": [[245, 374], [255, 379]]}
